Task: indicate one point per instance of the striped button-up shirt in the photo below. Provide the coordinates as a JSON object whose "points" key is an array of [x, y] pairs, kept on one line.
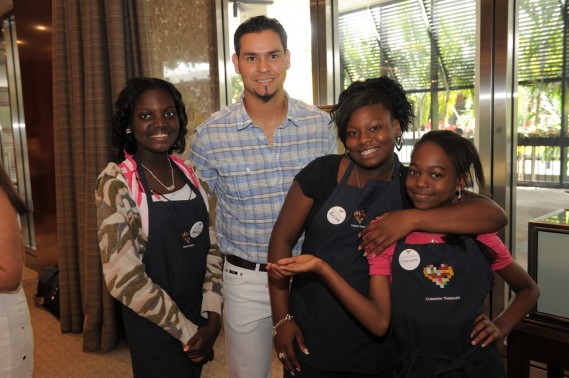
{"points": [[249, 177]]}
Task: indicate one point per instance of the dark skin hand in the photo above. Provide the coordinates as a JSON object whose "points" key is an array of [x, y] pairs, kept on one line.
{"points": [[200, 347], [483, 214], [287, 333], [486, 331]]}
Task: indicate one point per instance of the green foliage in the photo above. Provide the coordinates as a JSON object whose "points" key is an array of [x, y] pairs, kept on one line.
{"points": [[539, 109], [236, 87]]}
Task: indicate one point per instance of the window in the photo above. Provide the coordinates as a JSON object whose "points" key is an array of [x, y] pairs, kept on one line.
{"points": [[294, 15], [429, 47], [13, 141], [542, 152]]}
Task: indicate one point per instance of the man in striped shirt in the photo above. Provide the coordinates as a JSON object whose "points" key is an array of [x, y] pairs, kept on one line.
{"points": [[249, 153]]}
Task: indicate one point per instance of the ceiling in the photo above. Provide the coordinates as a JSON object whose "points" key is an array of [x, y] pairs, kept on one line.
{"points": [[5, 6]]}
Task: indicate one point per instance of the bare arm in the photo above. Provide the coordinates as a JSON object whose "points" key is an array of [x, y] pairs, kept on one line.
{"points": [[474, 215], [287, 230], [11, 250], [373, 312], [285, 234], [526, 296]]}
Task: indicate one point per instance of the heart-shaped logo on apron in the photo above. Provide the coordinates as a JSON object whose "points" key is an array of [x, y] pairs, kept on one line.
{"points": [[360, 215], [440, 276], [186, 236]]}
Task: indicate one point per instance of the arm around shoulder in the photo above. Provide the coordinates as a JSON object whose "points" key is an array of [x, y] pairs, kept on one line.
{"points": [[474, 215]]}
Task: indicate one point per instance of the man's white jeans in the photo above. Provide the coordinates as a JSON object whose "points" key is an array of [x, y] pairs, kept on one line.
{"points": [[247, 322]]}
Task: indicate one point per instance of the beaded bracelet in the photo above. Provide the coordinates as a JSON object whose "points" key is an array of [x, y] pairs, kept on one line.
{"points": [[287, 317], [508, 326]]}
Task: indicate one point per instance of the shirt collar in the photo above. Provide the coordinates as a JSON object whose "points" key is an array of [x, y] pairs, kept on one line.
{"points": [[246, 121]]}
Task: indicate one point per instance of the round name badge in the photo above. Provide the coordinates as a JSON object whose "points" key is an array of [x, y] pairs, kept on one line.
{"points": [[336, 215], [196, 229], [409, 259]]}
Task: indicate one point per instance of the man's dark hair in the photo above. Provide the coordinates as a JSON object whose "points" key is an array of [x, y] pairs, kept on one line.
{"points": [[258, 24]]}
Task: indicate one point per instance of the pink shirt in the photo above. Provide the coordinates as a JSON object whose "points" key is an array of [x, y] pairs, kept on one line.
{"points": [[381, 264]]}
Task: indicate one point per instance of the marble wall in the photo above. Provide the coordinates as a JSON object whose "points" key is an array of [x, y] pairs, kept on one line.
{"points": [[182, 36]]}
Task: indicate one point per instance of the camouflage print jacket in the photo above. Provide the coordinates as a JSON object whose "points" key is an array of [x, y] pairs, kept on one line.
{"points": [[122, 241]]}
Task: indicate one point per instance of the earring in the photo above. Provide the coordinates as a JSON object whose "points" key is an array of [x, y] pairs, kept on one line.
{"points": [[128, 131], [459, 194], [398, 143], [347, 153]]}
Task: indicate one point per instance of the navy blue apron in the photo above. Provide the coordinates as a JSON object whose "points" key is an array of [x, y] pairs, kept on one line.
{"points": [[336, 340], [175, 259], [437, 291]]}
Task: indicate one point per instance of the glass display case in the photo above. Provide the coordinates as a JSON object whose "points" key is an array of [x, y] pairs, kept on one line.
{"points": [[548, 265]]}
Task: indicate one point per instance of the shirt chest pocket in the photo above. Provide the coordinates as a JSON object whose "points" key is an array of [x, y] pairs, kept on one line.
{"points": [[243, 181], [255, 179]]}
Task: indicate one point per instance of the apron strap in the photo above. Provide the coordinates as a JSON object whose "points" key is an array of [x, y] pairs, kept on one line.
{"points": [[143, 181], [349, 169], [146, 186]]}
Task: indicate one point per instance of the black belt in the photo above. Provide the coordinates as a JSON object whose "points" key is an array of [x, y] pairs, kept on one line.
{"points": [[241, 263]]}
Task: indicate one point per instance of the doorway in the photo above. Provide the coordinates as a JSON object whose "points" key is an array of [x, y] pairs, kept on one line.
{"points": [[13, 142]]}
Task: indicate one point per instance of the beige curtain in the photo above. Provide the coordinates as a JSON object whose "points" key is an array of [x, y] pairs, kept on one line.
{"points": [[97, 46]]}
